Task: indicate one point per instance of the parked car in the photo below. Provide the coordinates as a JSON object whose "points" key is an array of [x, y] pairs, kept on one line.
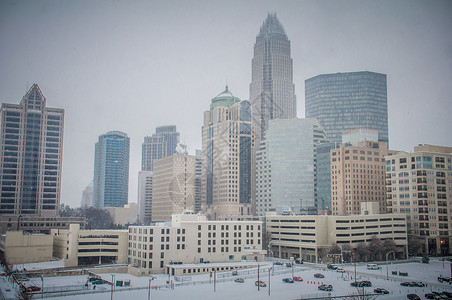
{"points": [[288, 280], [319, 275], [325, 287], [296, 278], [440, 295], [331, 267], [278, 263], [381, 291], [432, 296], [98, 281], [417, 284], [33, 288], [448, 294], [413, 297], [373, 267], [260, 283], [240, 280], [366, 283], [356, 284], [289, 265], [298, 261], [340, 270], [407, 284]]}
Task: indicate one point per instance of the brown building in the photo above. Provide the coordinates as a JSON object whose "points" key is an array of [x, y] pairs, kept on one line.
{"points": [[358, 175]]}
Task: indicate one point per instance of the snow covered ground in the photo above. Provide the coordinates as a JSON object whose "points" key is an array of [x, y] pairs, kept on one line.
{"points": [[202, 286]]}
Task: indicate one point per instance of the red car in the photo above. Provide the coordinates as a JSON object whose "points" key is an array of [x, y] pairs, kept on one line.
{"points": [[33, 288], [298, 278]]}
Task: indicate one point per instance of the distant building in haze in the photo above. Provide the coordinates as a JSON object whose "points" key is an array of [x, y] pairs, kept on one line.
{"points": [[111, 170], [31, 153], [272, 91], [286, 167], [345, 101], [145, 197], [87, 196], [161, 144], [227, 140]]}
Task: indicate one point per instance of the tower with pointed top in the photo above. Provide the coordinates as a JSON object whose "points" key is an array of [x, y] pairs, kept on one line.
{"points": [[272, 91], [227, 140], [31, 153]]}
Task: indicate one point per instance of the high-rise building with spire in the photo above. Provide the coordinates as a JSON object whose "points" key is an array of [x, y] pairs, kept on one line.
{"points": [[31, 150], [272, 91]]}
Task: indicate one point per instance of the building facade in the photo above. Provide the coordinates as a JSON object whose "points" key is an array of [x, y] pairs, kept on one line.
{"points": [[310, 237], [198, 181], [345, 101], [87, 196], [358, 175], [286, 167], [20, 248], [145, 197], [111, 170], [272, 91], [227, 140], [191, 239], [419, 185], [161, 144], [78, 247], [173, 186], [31, 154]]}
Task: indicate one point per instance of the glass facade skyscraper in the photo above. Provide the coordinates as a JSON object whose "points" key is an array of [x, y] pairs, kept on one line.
{"points": [[345, 101], [161, 144], [272, 92], [286, 167], [111, 170], [31, 151]]}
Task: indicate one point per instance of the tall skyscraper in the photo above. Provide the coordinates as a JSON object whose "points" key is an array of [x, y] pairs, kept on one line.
{"points": [[31, 156], [286, 167], [419, 185], [161, 144], [345, 101], [87, 196], [198, 181], [272, 92], [145, 197], [111, 170], [227, 140]]}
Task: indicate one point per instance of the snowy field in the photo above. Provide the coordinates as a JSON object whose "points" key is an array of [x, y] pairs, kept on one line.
{"points": [[202, 286]]}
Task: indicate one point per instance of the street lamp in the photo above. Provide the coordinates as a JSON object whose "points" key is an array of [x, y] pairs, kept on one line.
{"points": [[112, 285], [149, 289], [387, 263], [269, 281]]}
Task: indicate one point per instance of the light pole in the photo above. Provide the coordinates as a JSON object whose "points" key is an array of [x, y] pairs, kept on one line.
{"points": [[149, 289], [112, 285], [258, 282], [387, 263], [269, 281]]}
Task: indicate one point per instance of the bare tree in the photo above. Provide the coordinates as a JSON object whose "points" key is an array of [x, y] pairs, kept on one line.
{"points": [[376, 249], [360, 294], [362, 252]]}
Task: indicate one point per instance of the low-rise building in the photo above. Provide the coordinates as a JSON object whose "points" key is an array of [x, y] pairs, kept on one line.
{"points": [[89, 247], [191, 239], [124, 215], [310, 237], [20, 248], [37, 224]]}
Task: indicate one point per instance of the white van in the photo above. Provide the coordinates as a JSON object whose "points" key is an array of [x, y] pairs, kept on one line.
{"points": [[373, 267]]}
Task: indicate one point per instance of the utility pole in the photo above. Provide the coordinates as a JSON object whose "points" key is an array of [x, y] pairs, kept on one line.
{"points": [[258, 281], [269, 281], [149, 289], [215, 280]]}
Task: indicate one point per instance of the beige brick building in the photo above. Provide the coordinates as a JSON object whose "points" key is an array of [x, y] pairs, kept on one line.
{"points": [[419, 185], [191, 239], [310, 237], [358, 175], [85, 247], [20, 248], [173, 186]]}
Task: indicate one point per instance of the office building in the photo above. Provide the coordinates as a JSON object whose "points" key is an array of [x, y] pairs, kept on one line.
{"points": [[419, 185], [311, 237], [31, 154], [198, 181], [272, 92], [145, 197], [173, 186], [111, 170], [161, 144], [87, 196], [286, 167], [227, 140], [192, 239], [345, 101], [358, 175]]}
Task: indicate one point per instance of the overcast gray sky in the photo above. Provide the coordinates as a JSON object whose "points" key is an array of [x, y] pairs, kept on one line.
{"points": [[135, 65]]}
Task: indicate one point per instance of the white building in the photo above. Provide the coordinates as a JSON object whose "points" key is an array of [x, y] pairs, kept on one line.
{"points": [[145, 197]]}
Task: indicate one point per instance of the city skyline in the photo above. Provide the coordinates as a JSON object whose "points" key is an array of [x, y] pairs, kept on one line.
{"points": [[128, 71]]}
